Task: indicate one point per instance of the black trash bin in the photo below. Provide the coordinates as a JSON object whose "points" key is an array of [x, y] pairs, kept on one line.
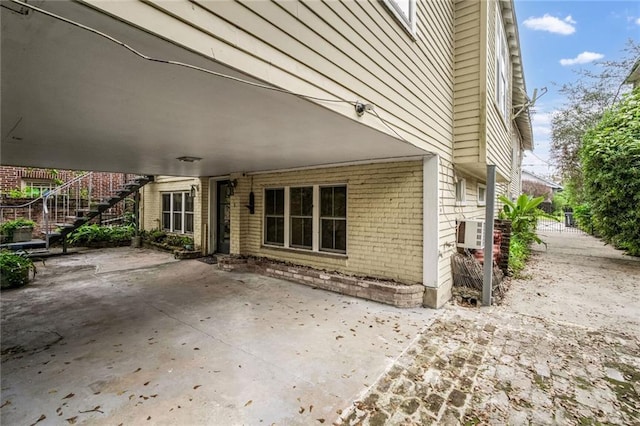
{"points": [[568, 220]]}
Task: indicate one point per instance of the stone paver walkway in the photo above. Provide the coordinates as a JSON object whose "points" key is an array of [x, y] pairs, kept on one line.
{"points": [[490, 367], [552, 354]]}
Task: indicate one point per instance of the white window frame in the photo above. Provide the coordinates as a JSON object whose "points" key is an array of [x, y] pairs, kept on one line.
{"points": [[503, 85], [482, 201], [316, 224], [183, 212], [461, 192], [43, 185], [407, 19], [284, 217]]}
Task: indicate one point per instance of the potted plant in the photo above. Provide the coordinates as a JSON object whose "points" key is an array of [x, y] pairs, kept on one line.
{"points": [[14, 269], [17, 230]]}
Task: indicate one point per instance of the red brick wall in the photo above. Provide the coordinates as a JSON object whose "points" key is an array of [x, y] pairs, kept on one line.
{"points": [[103, 183]]}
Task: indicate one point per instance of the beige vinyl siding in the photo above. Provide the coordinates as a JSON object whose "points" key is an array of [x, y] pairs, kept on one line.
{"points": [[347, 50], [499, 146], [384, 219], [467, 87]]}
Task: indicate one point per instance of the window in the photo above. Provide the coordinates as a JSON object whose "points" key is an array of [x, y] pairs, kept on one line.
{"points": [[36, 188], [301, 212], [333, 218], [274, 216], [502, 69], [405, 11], [310, 218], [482, 194], [177, 212], [461, 191]]}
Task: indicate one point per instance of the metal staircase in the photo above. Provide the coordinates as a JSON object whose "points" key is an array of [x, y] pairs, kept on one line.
{"points": [[67, 207]]}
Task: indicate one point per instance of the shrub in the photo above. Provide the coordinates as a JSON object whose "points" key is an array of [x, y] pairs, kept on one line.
{"points": [[14, 269], [560, 202], [524, 214], [154, 235], [518, 254], [179, 241], [582, 214], [88, 234], [610, 157]]}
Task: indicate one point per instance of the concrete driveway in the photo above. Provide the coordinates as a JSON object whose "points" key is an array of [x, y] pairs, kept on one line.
{"points": [[124, 336]]}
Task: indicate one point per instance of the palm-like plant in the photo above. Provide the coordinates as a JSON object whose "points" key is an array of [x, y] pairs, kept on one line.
{"points": [[524, 214]]}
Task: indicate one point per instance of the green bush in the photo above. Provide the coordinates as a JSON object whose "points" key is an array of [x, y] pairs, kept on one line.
{"points": [[560, 202], [9, 227], [14, 269], [582, 215], [610, 157], [518, 254], [88, 234], [524, 214], [179, 241]]}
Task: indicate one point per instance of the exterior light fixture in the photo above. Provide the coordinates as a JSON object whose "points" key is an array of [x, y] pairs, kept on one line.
{"points": [[231, 188], [188, 159]]}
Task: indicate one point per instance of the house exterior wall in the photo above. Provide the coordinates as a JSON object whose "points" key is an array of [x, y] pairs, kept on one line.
{"points": [[335, 50], [499, 146], [468, 76], [384, 219], [481, 134], [435, 88], [151, 204]]}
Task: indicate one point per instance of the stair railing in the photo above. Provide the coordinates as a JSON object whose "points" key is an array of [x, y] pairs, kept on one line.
{"points": [[52, 208]]}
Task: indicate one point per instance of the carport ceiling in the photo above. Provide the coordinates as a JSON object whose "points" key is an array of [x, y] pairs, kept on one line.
{"points": [[71, 99]]}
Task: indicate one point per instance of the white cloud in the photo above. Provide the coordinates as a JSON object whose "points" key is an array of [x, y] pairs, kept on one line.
{"points": [[541, 123], [551, 24], [583, 58], [638, 21]]}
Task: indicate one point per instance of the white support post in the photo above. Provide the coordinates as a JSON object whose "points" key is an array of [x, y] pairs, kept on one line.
{"points": [[488, 235], [430, 220]]}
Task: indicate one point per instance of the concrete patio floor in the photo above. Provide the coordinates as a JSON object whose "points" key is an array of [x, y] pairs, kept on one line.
{"points": [[130, 336]]}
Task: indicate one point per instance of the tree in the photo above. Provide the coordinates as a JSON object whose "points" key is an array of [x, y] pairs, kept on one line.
{"points": [[586, 101], [536, 189], [610, 157]]}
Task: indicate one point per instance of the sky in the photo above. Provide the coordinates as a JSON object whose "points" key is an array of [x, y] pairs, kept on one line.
{"points": [[556, 39]]}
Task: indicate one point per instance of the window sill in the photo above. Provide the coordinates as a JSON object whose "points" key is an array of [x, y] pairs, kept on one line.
{"points": [[461, 203], [304, 251]]}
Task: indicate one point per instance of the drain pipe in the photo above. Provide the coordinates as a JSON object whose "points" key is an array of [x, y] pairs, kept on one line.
{"points": [[490, 206]]}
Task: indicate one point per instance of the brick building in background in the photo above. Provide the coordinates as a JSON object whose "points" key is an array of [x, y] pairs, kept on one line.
{"points": [[20, 187], [29, 182]]}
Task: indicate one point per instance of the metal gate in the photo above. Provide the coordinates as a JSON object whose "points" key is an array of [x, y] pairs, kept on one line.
{"points": [[567, 225]]}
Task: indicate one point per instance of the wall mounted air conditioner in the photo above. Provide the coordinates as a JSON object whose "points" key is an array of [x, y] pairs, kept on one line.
{"points": [[471, 234]]}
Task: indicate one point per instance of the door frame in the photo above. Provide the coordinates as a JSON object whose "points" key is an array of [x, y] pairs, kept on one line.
{"points": [[213, 212]]}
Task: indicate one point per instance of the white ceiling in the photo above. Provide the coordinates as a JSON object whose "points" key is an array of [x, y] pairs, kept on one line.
{"points": [[73, 100]]}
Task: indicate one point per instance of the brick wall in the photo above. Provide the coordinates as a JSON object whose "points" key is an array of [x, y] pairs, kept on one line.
{"points": [[504, 226], [384, 219], [102, 183]]}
